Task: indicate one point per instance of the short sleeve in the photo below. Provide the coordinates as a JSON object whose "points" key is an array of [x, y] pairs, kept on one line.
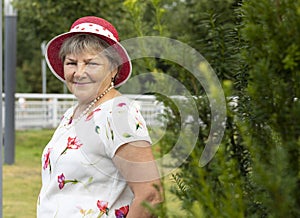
{"points": [[124, 124]]}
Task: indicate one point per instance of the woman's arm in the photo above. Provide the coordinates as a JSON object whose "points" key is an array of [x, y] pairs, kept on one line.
{"points": [[136, 163]]}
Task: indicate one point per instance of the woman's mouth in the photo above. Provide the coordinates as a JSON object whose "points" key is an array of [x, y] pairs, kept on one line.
{"points": [[81, 83]]}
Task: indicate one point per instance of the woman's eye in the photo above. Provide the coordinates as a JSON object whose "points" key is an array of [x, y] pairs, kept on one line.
{"points": [[71, 63], [92, 63]]}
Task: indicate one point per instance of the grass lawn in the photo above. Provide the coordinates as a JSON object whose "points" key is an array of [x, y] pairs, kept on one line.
{"points": [[22, 181]]}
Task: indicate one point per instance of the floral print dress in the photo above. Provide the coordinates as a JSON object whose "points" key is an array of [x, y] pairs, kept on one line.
{"points": [[79, 178]]}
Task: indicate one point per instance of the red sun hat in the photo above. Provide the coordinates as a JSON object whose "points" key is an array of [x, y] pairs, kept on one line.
{"points": [[93, 26]]}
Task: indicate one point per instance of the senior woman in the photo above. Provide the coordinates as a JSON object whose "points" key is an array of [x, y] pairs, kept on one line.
{"points": [[99, 162]]}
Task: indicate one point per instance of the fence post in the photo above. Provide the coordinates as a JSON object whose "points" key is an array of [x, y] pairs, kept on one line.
{"points": [[54, 112], [10, 80]]}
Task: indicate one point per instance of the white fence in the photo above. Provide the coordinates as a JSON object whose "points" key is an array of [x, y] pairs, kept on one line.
{"points": [[45, 110]]}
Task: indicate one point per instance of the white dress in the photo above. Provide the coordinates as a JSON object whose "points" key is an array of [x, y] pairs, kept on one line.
{"points": [[79, 178]]}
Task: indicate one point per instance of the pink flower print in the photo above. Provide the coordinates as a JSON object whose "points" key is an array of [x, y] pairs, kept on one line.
{"points": [[72, 144], [62, 181], [62, 117], [122, 104], [47, 159], [122, 212], [103, 207], [70, 120], [92, 114]]}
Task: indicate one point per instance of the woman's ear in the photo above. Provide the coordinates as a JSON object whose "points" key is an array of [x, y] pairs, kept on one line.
{"points": [[114, 73]]}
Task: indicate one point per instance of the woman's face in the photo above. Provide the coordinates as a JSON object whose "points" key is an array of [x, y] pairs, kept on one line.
{"points": [[87, 75]]}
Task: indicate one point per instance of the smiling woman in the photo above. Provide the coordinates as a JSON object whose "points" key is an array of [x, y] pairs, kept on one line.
{"points": [[99, 162], [90, 69]]}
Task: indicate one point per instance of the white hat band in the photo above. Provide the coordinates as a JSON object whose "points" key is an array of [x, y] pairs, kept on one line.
{"points": [[93, 28]]}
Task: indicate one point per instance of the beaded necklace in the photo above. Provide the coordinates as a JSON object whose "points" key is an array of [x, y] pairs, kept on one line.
{"points": [[73, 122]]}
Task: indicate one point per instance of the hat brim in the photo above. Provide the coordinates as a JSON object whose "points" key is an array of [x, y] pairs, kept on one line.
{"points": [[56, 66]]}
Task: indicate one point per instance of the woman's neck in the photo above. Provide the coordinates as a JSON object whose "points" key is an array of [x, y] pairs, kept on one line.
{"points": [[83, 105]]}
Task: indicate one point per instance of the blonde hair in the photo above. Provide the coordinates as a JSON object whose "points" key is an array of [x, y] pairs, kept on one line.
{"points": [[82, 43]]}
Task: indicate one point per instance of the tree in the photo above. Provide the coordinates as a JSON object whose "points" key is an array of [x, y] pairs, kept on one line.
{"points": [[255, 173], [271, 130], [208, 26]]}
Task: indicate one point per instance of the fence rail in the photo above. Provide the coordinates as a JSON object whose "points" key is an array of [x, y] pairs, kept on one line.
{"points": [[45, 110]]}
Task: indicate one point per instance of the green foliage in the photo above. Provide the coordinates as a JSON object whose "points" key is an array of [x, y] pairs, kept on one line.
{"points": [[204, 192], [216, 189], [271, 133], [253, 49]]}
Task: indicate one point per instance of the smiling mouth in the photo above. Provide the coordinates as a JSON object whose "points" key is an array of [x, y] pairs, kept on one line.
{"points": [[81, 83]]}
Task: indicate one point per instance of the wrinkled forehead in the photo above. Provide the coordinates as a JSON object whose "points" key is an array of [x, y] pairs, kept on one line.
{"points": [[86, 55]]}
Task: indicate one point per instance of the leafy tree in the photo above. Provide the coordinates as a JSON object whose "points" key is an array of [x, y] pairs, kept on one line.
{"points": [[256, 168], [215, 190], [208, 26], [255, 173], [271, 130]]}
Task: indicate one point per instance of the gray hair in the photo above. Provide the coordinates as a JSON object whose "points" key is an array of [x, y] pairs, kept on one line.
{"points": [[80, 43]]}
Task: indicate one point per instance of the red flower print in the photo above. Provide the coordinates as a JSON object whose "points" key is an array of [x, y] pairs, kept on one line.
{"points": [[91, 114], [121, 104], [103, 207], [72, 144], [61, 181], [122, 212], [47, 159]]}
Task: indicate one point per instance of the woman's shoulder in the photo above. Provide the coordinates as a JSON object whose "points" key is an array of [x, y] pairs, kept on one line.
{"points": [[117, 108]]}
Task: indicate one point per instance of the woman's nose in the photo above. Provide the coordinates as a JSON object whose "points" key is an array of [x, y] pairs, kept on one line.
{"points": [[80, 70]]}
